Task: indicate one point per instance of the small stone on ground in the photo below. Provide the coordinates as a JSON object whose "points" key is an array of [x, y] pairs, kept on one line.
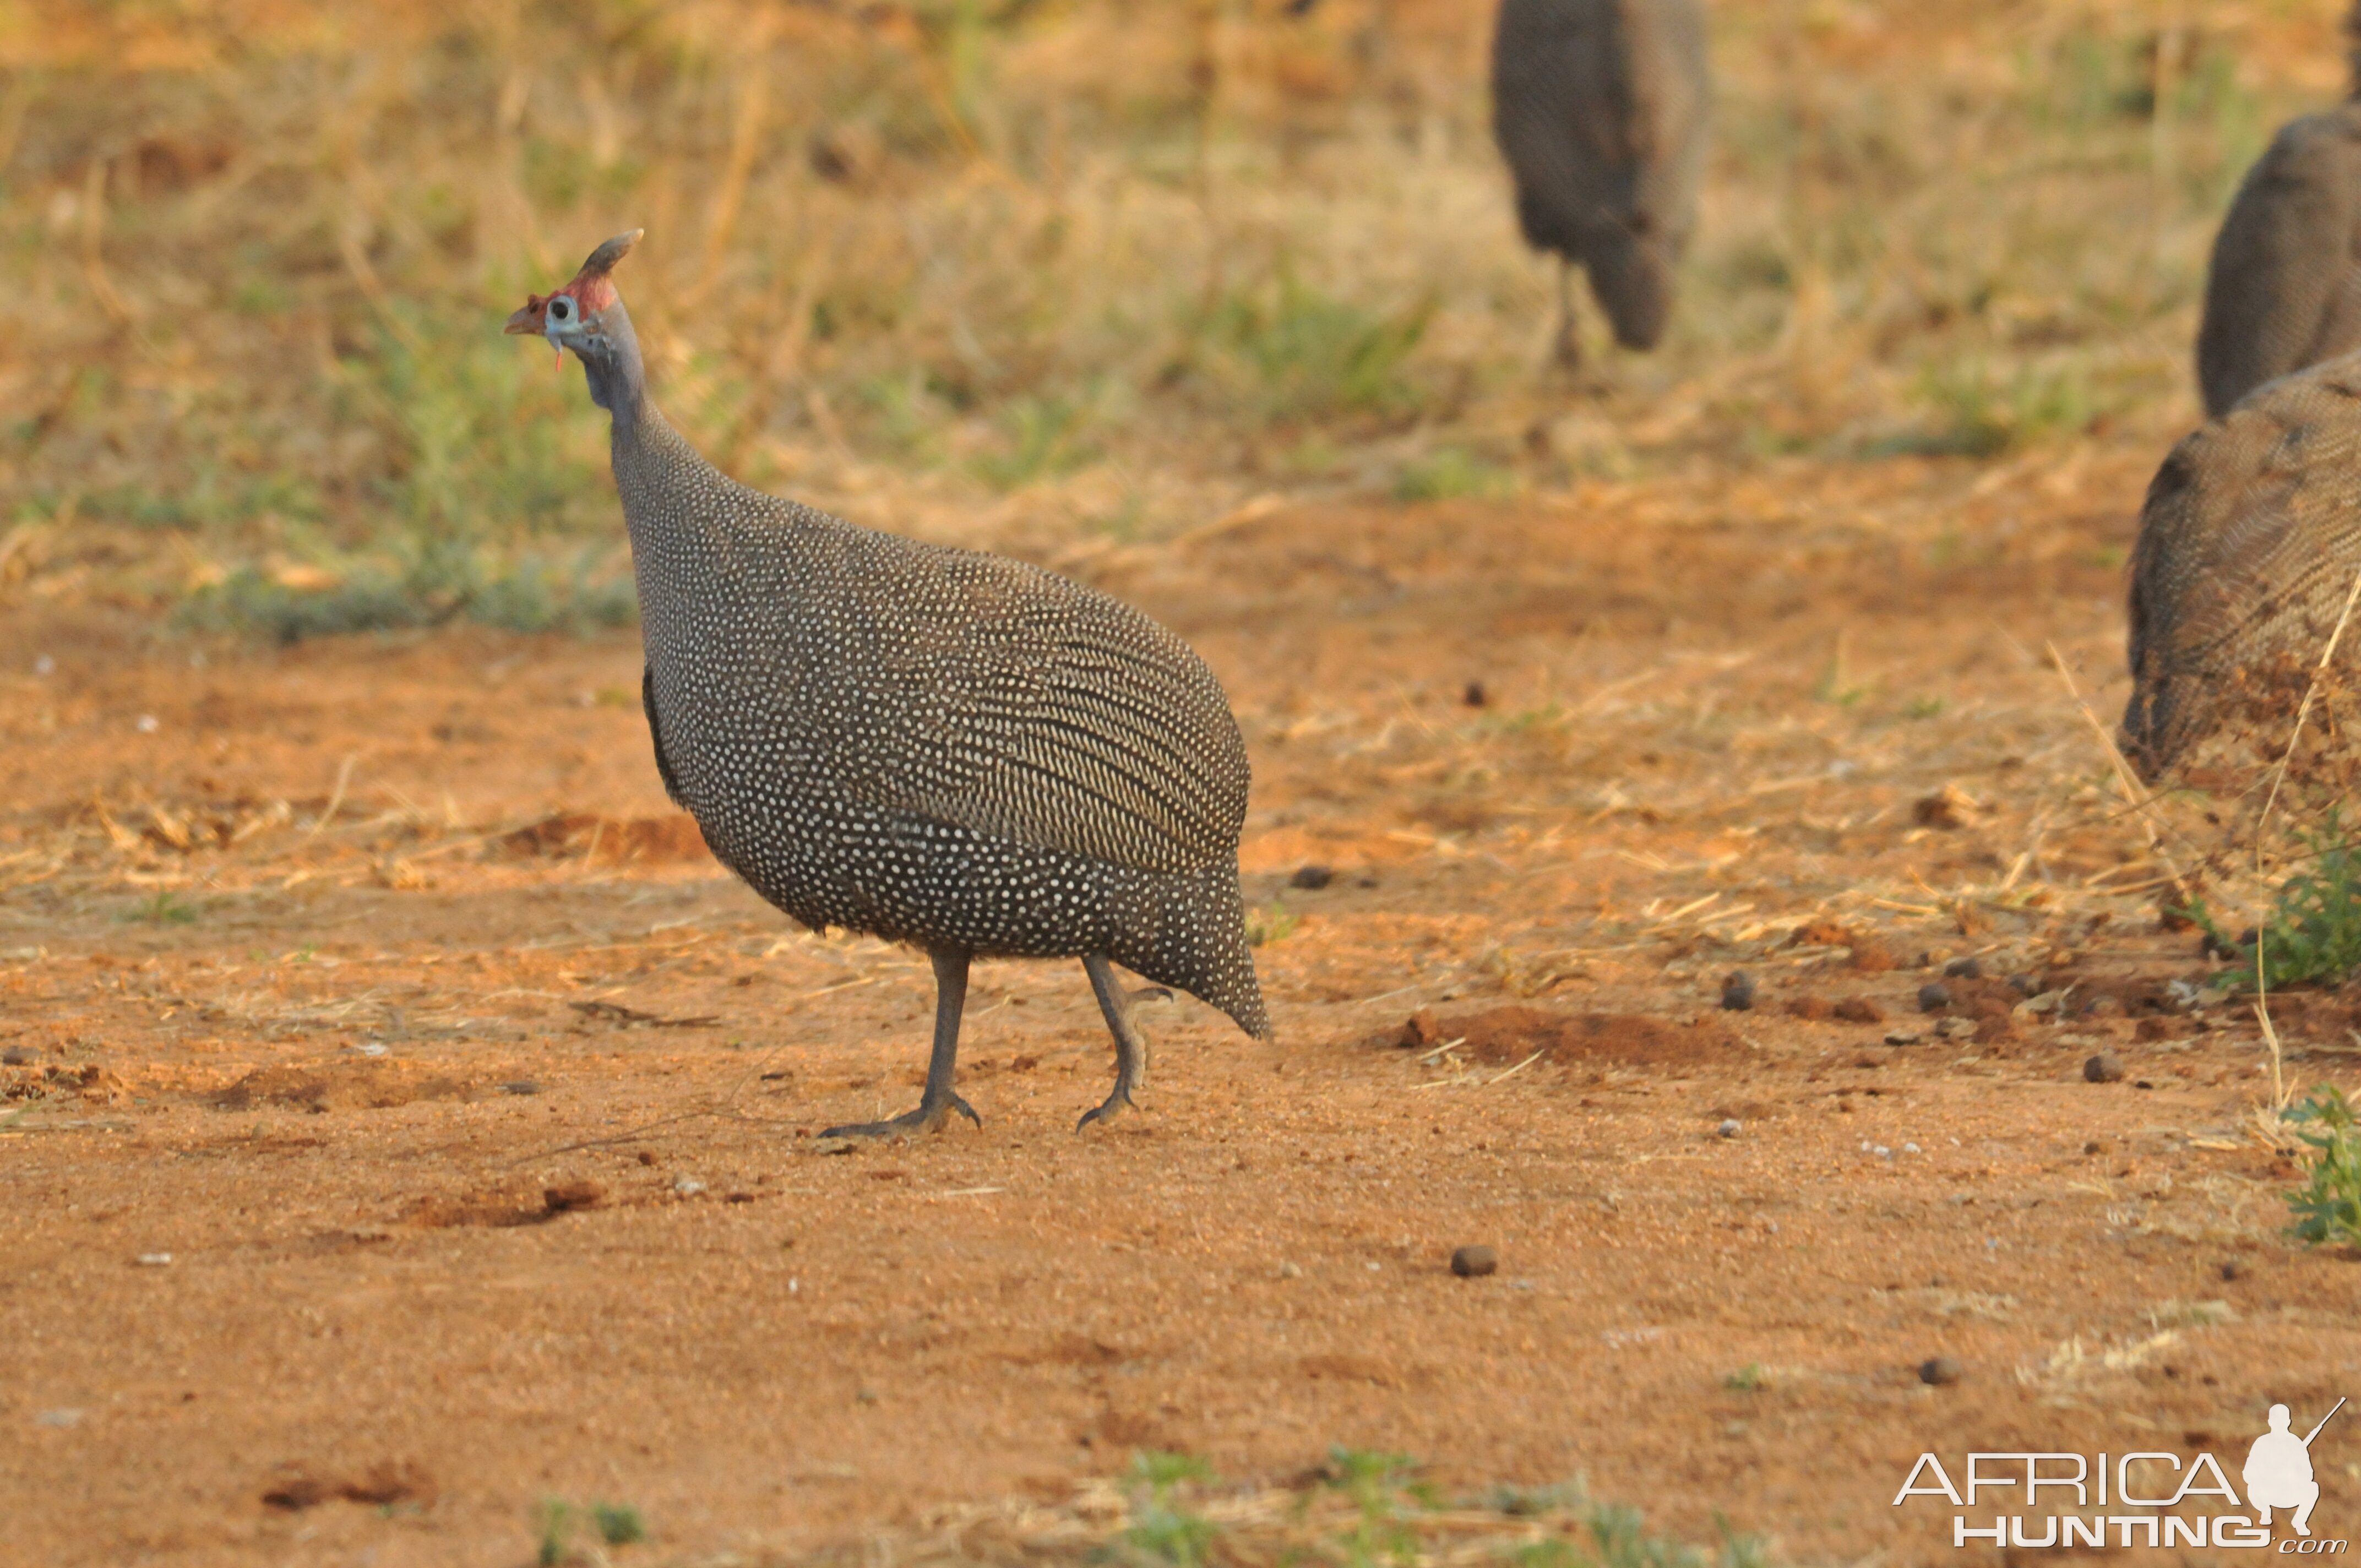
{"points": [[1473, 1262]]}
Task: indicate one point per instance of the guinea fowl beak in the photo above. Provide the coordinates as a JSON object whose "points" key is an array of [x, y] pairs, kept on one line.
{"points": [[531, 320]]}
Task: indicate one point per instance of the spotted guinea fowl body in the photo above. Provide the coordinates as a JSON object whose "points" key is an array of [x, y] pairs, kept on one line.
{"points": [[1601, 109], [937, 746], [2249, 543]]}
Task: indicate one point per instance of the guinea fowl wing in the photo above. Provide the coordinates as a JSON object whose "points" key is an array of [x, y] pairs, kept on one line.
{"points": [[1002, 698]]}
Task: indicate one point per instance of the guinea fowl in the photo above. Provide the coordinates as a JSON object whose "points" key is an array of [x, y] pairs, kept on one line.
{"points": [[2284, 288], [2249, 546], [1601, 109], [936, 746]]}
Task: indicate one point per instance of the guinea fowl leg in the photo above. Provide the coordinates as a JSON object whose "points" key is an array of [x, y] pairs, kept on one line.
{"points": [[1567, 350], [1130, 1043], [938, 1101]]}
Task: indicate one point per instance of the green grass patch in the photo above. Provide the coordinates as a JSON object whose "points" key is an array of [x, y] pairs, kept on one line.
{"points": [[556, 1519], [1275, 924], [553, 1518], [1835, 687], [2327, 1208], [165, 908], [2312, 934], [1163, 1529], [1043, 437], [481, 462], [483, 437], [619, 1524], [1300, 354], [436, 586], [1982, 410], [1452, 473], [1387, 1496]]}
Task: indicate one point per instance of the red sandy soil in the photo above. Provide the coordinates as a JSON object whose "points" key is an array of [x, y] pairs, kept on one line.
{"points": [[476, 1115]]}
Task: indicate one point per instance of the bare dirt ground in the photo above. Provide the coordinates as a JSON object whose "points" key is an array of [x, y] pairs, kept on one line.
{"points": [[376, 984]]}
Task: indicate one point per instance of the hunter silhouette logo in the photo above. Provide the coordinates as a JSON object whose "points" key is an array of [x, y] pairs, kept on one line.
{"points": [[2279, 1471], [2149, 1498]]}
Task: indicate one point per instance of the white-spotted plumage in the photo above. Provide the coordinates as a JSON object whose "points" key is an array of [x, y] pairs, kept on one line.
{"points": [[933, 745]]}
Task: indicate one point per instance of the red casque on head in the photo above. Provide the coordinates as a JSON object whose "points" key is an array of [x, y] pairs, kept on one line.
{"points": [[592, 290]]}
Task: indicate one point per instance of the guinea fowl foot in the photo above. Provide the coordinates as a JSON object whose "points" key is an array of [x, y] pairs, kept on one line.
{"points": [[1116, 1105], [938, 1099], [1565, 350], [1122, 1011], [922, 1120]]}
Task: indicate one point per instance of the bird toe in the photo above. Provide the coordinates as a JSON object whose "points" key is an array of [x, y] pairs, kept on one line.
{"points": [[1115, 1106]]}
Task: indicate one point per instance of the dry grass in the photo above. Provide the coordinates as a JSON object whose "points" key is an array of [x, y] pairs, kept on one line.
{"points": [[1013, 273]]}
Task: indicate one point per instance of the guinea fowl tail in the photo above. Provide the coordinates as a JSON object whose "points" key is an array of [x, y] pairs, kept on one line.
{"points": [[1246, 1009], [1220, 962], [1633, 279], [1190, 932]]}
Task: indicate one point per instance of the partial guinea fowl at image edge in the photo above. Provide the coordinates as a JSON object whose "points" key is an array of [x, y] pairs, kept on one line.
{"points": [[2245, 568], [2283, 283], [938, 747]]}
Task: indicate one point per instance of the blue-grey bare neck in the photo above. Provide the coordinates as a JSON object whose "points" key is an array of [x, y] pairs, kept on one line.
{"points": [[618, 376]]}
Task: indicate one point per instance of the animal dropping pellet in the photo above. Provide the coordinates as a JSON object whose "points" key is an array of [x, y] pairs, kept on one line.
{"points": [[1474, 1262]]}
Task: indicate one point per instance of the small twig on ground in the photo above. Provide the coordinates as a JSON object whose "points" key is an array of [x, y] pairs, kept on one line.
{"points": [[1519, 1067], [2270, 1039], [2124, 778], [628, 1136], [336, 795], [617, 1013], [1446, 1045], [2311, 690], [448, 845]]}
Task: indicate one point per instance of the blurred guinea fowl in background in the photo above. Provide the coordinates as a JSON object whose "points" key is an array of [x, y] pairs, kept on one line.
{"points": [[2284, 290], [1601, 108]]}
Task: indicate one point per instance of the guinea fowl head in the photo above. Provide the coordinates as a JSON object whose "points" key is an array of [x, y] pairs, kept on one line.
{"points": [[588, 316]]}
